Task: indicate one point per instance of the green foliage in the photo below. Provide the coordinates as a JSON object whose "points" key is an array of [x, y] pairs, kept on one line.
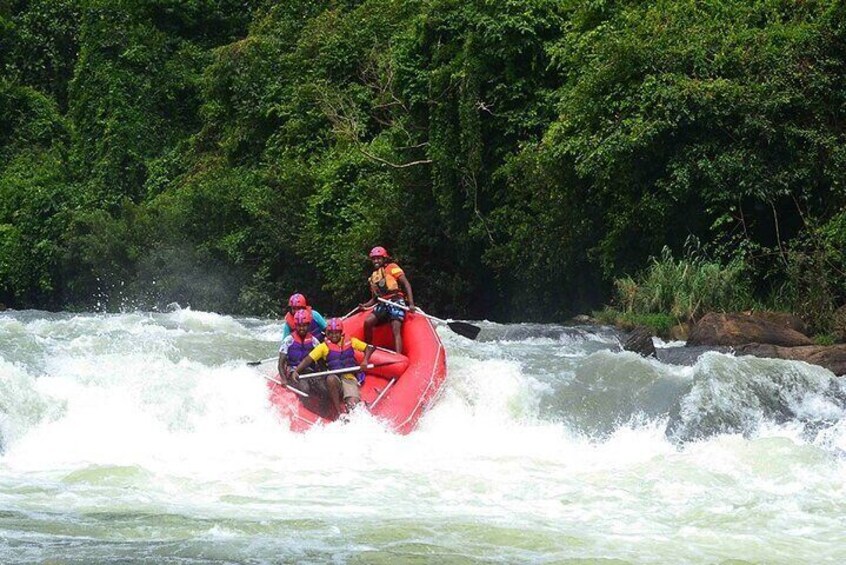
{"points": [[815, 268], [824, 339], [43, 40], [686, 288], [703, 118], [516, 157], [32, 195], [659, 322]]}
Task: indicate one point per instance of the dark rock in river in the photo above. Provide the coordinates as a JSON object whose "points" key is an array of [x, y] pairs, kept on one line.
{"points": [[640, 341], [740, 329], [688, 356], [582, 320]]}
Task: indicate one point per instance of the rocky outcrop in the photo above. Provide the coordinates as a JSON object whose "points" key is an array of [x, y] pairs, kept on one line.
{"points": [[782, 319], [640, 341], [831, 357], [742, 328]]}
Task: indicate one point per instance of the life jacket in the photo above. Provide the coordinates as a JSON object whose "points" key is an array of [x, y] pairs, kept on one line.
{"points": [[341, 356], [386, 285], [299, 349], [314, 329]]}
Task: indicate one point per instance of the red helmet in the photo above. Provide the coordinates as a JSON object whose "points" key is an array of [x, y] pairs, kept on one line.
{"points": [[335, 325], [378, 252], [297, 301], [303, 316]]}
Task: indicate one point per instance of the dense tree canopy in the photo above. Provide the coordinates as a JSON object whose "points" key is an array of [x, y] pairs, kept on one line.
{"points": [[515, 156]]}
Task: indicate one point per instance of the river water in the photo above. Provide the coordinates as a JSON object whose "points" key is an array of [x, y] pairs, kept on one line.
{"points": [[144, 437]]}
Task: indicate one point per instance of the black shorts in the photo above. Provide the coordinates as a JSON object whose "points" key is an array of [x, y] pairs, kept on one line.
{"points": [[385, 312]]}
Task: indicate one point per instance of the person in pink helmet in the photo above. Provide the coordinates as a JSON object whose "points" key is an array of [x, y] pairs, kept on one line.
{"points": [[294, 348], [296, 303], [388, 282], [339, 353]]}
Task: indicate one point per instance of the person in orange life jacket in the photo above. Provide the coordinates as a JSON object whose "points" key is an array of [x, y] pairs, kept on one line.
{"points": [[339, 354], [389, 282], [292, 351], [298, 302]]}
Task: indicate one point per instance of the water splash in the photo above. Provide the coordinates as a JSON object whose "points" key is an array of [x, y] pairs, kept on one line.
{"points": [[159, 441]]}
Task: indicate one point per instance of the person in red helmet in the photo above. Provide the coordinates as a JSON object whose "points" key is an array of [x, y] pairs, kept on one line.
{"points": [[295, 348], [296, 303], [388, 282], [340, 354]]}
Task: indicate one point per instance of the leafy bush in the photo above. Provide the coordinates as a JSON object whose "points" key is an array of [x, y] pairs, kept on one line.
{"points": [[816, 274], [824, 339], [659, 323], [685, 288], [516, 156]]}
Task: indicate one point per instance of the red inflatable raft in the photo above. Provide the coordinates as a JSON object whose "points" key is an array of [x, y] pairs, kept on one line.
{"points": [[396, 393]]}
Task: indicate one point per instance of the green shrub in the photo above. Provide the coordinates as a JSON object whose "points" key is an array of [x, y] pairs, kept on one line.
{"points": [[685, 289], [816, 265], [824, 339], [658, 323]]}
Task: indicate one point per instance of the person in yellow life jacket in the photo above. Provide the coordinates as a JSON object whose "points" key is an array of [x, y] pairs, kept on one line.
{"points": [[340, 354], [389, 282]]}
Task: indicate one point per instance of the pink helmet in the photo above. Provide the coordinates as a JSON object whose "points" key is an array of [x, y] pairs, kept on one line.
{"points": [[303, 316], [378, 252], [334, 325], [297, 301]]}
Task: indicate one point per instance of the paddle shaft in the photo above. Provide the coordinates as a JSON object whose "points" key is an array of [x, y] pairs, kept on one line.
{"points": [[382, 394], [351, 312], [268, 360], [416, 310], [461, 328], [345, 370], [289, 387]]}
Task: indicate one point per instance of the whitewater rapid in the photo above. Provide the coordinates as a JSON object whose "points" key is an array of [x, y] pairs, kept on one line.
{"points": [[145, 437]]}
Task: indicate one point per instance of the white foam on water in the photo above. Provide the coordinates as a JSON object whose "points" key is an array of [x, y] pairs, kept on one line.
{"points": [[159, 431]]}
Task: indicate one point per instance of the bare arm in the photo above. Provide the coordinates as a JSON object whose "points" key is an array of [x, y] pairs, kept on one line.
{"points": [[368, 351], [304, 364], [282, 365]]}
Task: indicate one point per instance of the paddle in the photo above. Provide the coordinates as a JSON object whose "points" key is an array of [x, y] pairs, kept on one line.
{"points": [[268, 360], [346, 369], [461, 328], [289, 387], [351, 312], [382, 394]]}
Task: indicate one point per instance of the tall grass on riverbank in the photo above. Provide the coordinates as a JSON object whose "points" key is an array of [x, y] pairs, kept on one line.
{"points": [[670, 291]]}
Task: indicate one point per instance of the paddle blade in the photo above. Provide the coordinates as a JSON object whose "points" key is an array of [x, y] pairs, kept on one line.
{"points": [[254, 363], [464, 329]]}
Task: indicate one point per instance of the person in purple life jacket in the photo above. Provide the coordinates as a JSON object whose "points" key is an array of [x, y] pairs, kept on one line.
{"points": [[338, 353], [321, 391]]}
